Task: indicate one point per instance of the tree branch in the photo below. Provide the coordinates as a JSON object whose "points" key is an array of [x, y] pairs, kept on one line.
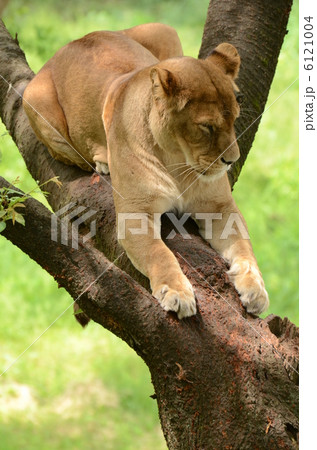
{"points": [[87, 275], [219, 375]]}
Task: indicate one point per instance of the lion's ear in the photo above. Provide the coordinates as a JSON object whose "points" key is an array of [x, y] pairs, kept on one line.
{"points": [[167, 90], [227, 58], [164, 83]]}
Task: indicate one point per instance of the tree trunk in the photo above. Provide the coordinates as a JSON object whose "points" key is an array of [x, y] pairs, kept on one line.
{"points": [[223, 378], [257, 29]]}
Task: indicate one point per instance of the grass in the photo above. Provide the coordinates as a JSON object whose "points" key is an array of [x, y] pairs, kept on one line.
{"points": [[86, 389]]}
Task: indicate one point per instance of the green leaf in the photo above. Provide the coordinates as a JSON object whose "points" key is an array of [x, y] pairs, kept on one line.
{"points": [[14, 200], [19, 218], [3, 213], [12, 191], [2, 226]]}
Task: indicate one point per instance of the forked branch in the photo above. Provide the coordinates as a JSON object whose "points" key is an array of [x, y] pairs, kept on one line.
{"points": [[222, 377]]}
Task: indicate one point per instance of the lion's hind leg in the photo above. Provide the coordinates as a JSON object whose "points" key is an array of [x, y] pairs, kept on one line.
{"points": [[161, 40], [48, 121]]}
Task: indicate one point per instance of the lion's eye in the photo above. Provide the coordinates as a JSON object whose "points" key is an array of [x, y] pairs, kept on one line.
{"points": [[206, 127]]}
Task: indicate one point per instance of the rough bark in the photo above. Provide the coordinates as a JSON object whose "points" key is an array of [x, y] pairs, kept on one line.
{"points": [[223, 379], [257, 29]]}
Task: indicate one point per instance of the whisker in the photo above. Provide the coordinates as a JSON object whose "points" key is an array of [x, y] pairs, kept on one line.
{"points": [[191, 173], [191, 170], [180, 174], [176, 164], [185, 166], [179, 168]]}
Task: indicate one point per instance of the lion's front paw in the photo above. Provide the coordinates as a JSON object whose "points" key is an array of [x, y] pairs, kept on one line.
{"points": [[102, 167], [248, 281], [182, 301]]}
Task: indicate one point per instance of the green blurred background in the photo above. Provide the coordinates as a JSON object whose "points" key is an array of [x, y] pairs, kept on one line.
{"points": [[86, 389]]}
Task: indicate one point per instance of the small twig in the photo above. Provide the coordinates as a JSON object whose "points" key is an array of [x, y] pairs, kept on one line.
{"points": [[268, 425]]}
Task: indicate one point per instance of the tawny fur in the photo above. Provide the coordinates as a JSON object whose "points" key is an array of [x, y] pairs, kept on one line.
{"points": [[163, 124]]}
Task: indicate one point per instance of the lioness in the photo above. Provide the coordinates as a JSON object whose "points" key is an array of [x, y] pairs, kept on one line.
{"points": [[163, 124]]}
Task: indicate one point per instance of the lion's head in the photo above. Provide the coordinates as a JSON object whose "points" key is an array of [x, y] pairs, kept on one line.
{"points": [[194, 110]]}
